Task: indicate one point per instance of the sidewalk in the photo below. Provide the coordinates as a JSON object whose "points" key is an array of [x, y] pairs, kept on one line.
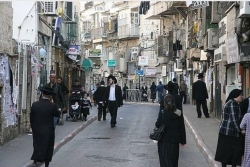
{"points": [[17, 152], [204, 131]]}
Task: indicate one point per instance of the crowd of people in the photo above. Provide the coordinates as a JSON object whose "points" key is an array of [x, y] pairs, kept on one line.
{"points": [[234, 131]]}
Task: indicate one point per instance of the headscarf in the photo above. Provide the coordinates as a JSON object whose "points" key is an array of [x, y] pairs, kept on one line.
{"points": [[234, 94]]}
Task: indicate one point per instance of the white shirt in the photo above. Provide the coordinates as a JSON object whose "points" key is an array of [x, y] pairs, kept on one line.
{"points": [[112, 93]]}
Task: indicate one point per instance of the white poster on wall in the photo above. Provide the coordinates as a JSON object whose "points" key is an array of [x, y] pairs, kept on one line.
{"points": [[150, 72], [143, 60]]}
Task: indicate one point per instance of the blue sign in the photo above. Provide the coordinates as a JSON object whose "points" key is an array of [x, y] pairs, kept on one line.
{"points": [[111, 63], [139, 72]]}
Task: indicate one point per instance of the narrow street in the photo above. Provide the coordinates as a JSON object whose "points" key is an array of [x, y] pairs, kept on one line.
{"points": [[126, 145]]}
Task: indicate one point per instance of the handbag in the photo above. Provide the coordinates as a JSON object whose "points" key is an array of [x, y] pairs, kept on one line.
{"points": [[157, 133]]}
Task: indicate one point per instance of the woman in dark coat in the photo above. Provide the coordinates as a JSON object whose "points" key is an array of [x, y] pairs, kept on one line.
{"points": [[230, 141], [42, 125], [174, 133], [153, 92]]}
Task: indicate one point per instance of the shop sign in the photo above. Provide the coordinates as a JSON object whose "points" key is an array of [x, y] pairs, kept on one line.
{"points": [[196, 4], [232, 49], [164, 71], [131, 77], [150, 72], [222, 31], [95, 52], [143, 60], [73, 50], [220, 54], [111, 63]]}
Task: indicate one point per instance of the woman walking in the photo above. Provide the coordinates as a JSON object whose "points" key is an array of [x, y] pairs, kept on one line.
{"points": [[174, 133], [153, 92], [229, 147]]}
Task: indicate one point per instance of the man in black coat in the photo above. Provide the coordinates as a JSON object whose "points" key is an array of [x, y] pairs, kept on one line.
{"points": [[41, 121], [113, 98], [200, 95], [99, 97], [58, 98]]}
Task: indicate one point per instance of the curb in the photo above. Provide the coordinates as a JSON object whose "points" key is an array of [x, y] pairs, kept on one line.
{"points": [[208, 155], [68, 137]]}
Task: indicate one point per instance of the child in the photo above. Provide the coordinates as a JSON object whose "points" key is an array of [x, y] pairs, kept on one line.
{"points": [[245, 126], [85, 106]]}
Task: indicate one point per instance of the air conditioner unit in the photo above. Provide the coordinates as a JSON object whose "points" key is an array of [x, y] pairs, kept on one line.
{"points": [[49, 8], [212, 38], [122, 65], [134, 53], [215, 13], [244, 9]]}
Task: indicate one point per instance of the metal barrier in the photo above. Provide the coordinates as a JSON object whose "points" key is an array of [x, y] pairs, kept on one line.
{"points": [[133, 95]]}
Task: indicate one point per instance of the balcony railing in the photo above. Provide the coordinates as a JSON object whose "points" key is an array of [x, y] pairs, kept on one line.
{"points": [[98, 33], [127, 31]]}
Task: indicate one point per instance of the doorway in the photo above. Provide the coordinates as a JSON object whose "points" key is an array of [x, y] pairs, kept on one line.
{"points": [[218, 102]]}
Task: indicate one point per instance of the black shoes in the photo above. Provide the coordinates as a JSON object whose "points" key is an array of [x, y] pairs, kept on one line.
{"points": [[112, 125], [99, 119]]}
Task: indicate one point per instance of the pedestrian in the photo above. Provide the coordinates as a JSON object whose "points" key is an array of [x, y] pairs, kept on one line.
{"points": [[245, 105], [159, 89], [245, 126], [113, 99], [200, 95], [77, 87], [58, 98], [183, 91], [229, 147], [170, 90], [99, 96], [176, 86], [153, 92], [125, 93], [41, 119], [86, 105], [174, 135], [64, 89]]}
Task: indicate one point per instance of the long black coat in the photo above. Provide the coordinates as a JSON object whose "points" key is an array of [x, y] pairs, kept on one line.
{"points": [[244, 106], [174, 131], [199, 90], [153, 91], [41, 120], [99, 94], [118, 95]]}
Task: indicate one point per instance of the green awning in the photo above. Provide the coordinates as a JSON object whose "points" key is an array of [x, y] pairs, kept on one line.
{"points": [[87, 65]]}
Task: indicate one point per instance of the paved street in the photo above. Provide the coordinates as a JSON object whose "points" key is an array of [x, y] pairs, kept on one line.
{"points": [[126, 145]]}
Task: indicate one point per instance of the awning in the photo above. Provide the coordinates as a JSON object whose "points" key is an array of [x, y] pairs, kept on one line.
{"points": [[87, 65]]}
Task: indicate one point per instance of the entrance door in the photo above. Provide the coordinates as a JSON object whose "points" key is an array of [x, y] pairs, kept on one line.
{"points": [[218, 105]]}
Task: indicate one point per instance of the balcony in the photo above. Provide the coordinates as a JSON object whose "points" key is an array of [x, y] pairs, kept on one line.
{"points": [[128, 32], [98, 35], [166, 8]]}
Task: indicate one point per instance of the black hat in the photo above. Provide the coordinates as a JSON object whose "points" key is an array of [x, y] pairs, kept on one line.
{"points": [[113, 78], [47, 91], [174, 79], [169, 86], [200, 75], [102, 83]]}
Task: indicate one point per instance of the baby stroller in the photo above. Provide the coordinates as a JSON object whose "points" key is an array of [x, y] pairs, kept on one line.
{"points": [[75, 106], [144, 96]]}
